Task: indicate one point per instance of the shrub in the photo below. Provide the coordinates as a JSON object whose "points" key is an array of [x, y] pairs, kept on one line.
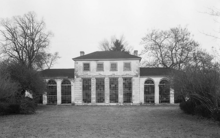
{"points": [[203, 111], [216, 114], [13, 109], [14, 81], [188, 107], [7, 108], [27, 105], [3, 108]]}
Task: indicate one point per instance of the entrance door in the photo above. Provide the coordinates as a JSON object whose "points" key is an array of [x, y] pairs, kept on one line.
{"points": [[113, 90], [127, 90], [100, 90], [86, 90]]}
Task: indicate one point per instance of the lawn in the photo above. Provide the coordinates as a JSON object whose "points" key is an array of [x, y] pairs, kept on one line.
{"points": [[108, 121]]}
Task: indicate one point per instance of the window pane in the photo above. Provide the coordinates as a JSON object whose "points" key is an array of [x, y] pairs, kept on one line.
{"points": [[51, 92], [100, 67], [127, 90], [86, 88], [86, 67], [113, 67], [113, 86], [100, 90], [127, 66]]}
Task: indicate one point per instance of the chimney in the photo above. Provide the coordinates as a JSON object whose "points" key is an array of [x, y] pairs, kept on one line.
{"points": [[135, 52], [82, 53]]}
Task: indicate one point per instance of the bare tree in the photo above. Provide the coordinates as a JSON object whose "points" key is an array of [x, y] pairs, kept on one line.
{"points": [[172, 48], [46, 60], [215, 13], [115, 45], [24, 38]]}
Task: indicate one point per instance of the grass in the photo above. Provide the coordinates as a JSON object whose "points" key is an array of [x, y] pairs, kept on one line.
{"points": [[108, 121]]}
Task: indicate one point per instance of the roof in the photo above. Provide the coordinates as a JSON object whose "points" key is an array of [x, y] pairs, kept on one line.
{"points": [[58, 73], [154, 71], [107, 55]]}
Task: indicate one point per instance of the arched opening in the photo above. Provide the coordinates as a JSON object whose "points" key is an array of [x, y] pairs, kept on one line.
{"points": [[164, 91], [51, 92], [65, 91], [149, 91]]}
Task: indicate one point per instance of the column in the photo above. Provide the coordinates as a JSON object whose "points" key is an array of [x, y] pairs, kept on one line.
{"points": [[58, 81], [135, 90], [120, 90], [156, 92], [107, 91], [171, 96], [72, 91], [45, 98], [141, 88], [93, 92], [78, 96]]}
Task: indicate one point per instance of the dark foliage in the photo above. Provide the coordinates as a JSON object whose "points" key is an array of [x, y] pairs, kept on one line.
{"points": [[203, 111], [188, 107], [27, 105], [7, 108], [216, 114], [19, 79]]}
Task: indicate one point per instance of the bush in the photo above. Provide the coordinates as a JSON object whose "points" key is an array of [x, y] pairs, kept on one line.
{"points": [[188, 107], [203, 111], [3, 108], [7, 108], [27, 105], [216, 114]]}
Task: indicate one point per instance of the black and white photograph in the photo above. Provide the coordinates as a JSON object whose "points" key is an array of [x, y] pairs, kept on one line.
{"points": [[109, 68]]}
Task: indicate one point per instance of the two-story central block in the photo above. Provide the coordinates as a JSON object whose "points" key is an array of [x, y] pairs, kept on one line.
{"points": [[106, 77]]}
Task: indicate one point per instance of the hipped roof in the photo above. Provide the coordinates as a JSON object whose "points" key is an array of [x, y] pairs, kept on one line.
{"points": [[107, 55]]}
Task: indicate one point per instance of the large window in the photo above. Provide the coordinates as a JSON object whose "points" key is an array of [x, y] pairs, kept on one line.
{"points": [[66, 91], [149, 91], [113, 67], [127, 66], [164, 91], [113, 86], [86, 85], [51, 92], [100, 67], [86, 67], [100, 90], [127, 90]]}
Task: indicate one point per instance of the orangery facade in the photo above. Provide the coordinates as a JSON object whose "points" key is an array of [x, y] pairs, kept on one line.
{"points": [[107, 78]]}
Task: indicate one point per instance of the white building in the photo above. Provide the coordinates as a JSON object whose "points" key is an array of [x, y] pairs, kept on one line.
{"points": [[107, 78]]}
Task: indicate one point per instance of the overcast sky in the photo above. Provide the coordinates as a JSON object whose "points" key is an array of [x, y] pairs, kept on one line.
{"points": [[80, 25]]}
